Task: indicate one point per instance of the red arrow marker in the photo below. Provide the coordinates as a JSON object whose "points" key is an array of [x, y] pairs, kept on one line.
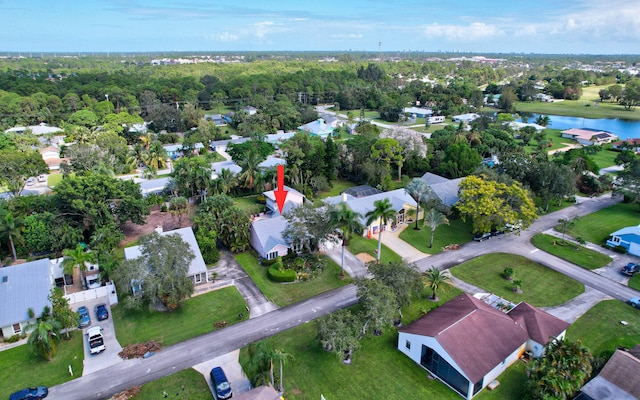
{"points": [[280, 193]]}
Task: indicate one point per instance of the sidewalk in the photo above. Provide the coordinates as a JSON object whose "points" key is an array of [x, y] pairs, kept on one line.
{"points": [[392, 240]]}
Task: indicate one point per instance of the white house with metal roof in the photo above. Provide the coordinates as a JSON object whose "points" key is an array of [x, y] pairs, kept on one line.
{"points": [[466, 118], [41, 129], [266, 237], [197, 269], [23, 287], [317, 128], [400, 201], [446, 190]]}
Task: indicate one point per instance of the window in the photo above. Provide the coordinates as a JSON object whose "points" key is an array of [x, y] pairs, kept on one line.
{"points": [[17, 328], [198, 278], [407, 344], [272, 255]]}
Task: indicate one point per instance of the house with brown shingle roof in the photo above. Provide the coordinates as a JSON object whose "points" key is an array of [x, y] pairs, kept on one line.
{"points": [[467, 343], [618, 380]]}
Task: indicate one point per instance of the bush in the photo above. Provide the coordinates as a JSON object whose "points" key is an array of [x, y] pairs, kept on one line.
{"points": [[268, 263], [620, 249], [261, 199], [12, 339], [286, 275]]}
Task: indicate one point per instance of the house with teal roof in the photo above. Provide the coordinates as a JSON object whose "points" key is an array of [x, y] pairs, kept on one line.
{"points": [[317, 128], [628, 237]]}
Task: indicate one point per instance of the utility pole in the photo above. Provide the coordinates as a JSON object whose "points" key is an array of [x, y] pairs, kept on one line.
{"points": [[379, 53]]}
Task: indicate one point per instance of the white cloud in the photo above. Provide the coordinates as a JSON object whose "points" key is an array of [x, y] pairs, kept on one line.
{"points": [[472, 32], [226, 37], [346, 35]]}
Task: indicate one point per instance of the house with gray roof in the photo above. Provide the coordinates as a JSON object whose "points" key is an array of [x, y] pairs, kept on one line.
{"points": [[466, 118], [293, 199], [618, 380], [266, 237], [153, 186], [467, 344], [446, 190], [23, 287], [317, 128], [41, 129], [400, 201], [197, 269]]}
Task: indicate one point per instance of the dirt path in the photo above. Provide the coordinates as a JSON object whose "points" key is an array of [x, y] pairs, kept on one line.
{"points": [[168, 222]]}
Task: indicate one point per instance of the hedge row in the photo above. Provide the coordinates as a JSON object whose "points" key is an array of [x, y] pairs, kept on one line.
{"points": [[287, 275]]}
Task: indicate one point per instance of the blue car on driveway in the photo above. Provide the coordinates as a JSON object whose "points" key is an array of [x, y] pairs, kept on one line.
{"points": [[84, 319], [101, 312], [39, 392]]}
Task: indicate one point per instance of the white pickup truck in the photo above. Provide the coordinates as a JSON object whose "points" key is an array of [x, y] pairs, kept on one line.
{"points": [[96, 341]]}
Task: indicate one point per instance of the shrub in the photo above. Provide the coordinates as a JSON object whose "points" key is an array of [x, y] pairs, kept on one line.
{"points": [[620, 249], [261, 199], [268, 263], [12, 339], [163, 208], [286, 275], [508, 273]]}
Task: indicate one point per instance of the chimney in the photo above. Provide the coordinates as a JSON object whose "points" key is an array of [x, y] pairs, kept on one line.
{"points": [[344, 197], [158, 229]]}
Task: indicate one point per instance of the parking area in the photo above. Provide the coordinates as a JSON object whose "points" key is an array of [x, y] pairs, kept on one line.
{"points": [[232, 369], [96, 362]]}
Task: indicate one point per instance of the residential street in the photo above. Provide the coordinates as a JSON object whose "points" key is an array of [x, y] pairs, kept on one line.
{"points": [[205, 347]]}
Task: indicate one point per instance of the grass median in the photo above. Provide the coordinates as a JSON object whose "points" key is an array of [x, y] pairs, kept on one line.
{"points": [[569, 251], [597, 227], [359, 244], [457, 232], [541, 286]]}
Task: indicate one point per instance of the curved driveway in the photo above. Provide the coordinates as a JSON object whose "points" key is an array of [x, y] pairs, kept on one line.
{"points": [[183, 355]]}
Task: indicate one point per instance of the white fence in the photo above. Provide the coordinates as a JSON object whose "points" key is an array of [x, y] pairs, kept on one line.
{"points": [[91, 294]]}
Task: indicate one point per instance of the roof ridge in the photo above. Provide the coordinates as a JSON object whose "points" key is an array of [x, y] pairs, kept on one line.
{"points": [[458, 321]]}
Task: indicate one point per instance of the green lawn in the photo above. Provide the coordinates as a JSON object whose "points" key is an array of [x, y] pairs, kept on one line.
{"points": [[188, 384], [634, 282], [553, 205], [574, 253], [601, 331], [542, 287], [579, 108], [249, 204], [19, 368], [359, 244], [555, 136], [513, 382], [457, 232], [378, 369], [195, 316], [339, 186], [596, 227], [54, 179], [605, 157], [284, 294]]}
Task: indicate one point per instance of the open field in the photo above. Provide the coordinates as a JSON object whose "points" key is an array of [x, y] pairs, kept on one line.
{"points": [[194, 317], [284, 294], [542, 287], [19, 368], [574, 253], [339, 186]]}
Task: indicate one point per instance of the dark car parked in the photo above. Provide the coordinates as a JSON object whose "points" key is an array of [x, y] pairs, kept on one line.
{"points": [[101, 312], [220, 384], [631, 269], [39, 392], [479, 237], [84, 319]]}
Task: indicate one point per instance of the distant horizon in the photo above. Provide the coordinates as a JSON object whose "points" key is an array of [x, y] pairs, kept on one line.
{"points": [[114, 53], [571, 27]]}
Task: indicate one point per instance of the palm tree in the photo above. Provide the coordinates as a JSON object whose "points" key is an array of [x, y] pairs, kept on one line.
{"points": [[434, 280], [136, 157], [76, 259], [227, 180], [282, 357], [155, 156], [384, 212], [433, 219], [348, 221], [420, 191], [43, 336], [11, 229], [250, 169]]}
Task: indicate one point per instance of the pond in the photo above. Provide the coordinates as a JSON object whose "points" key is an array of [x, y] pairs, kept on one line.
{"points": [[624, 129]]}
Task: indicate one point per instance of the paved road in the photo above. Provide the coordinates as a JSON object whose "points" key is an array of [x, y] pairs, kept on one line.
{"points": [[115, 379], [112, 380]]}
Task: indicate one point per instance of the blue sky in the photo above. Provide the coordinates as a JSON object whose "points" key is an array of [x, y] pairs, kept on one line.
{"points": [[542, 26]]}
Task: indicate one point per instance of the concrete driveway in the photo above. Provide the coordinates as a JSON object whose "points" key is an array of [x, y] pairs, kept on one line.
{"points": [[232, 369], [109, 357]]}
